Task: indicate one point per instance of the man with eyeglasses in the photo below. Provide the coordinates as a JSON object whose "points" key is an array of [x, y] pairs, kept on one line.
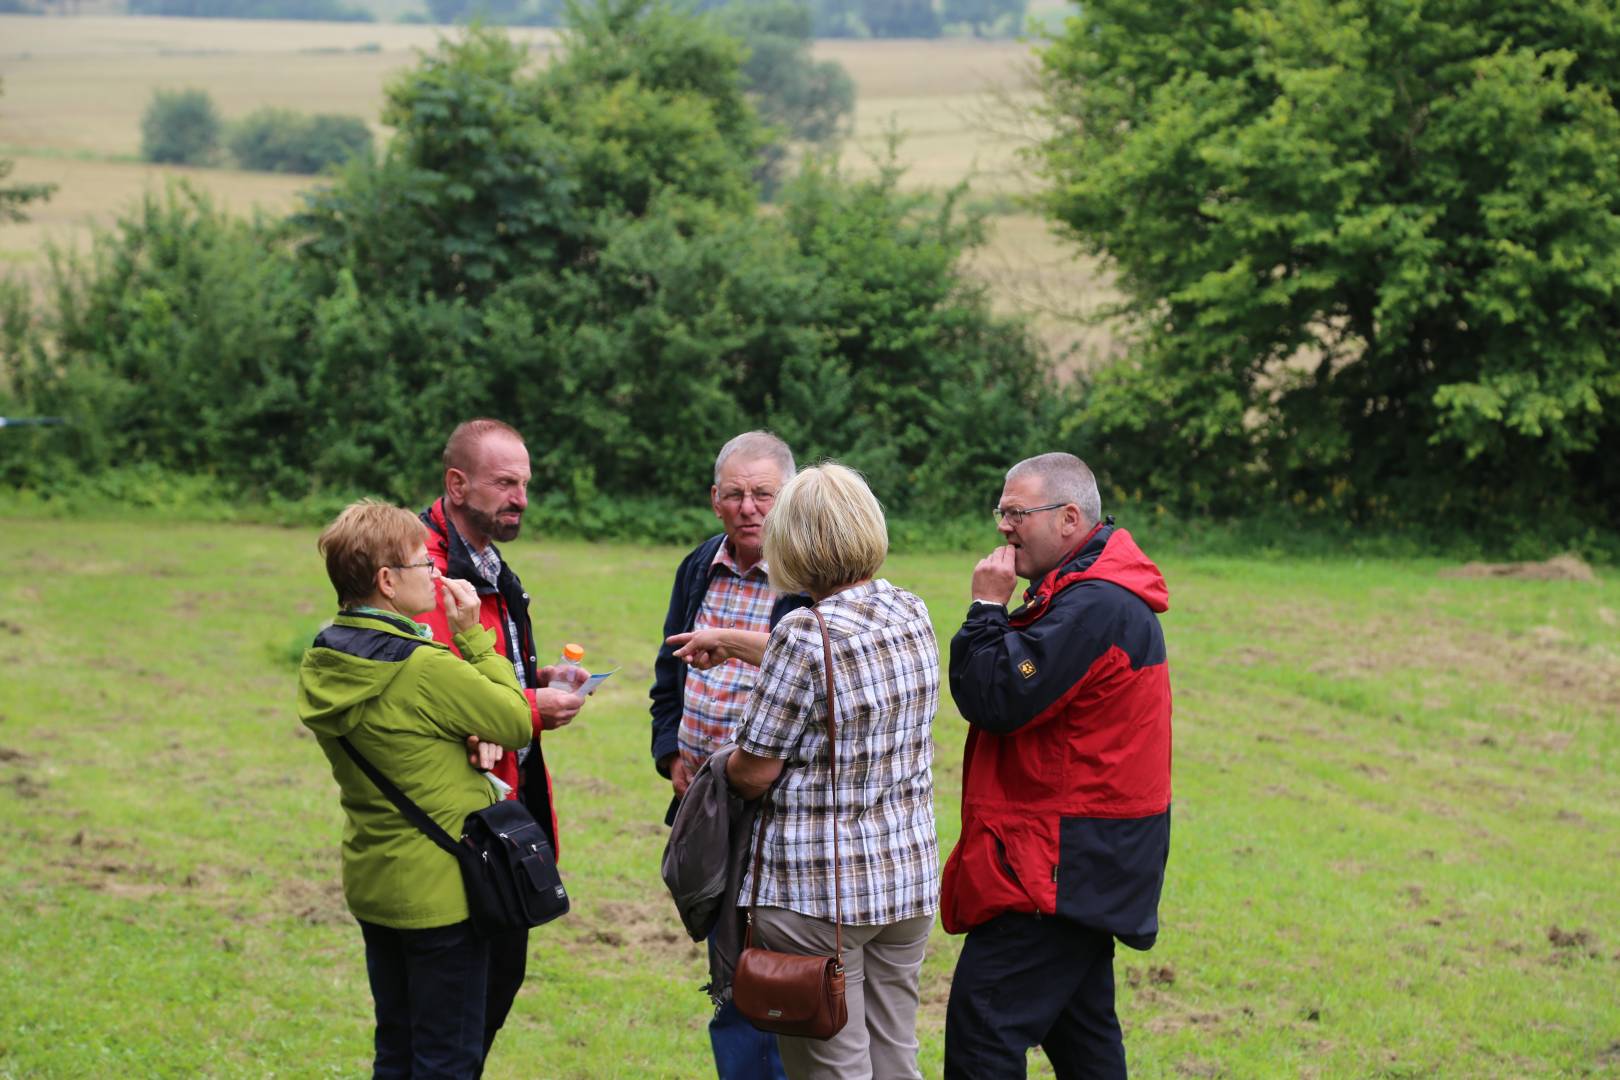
{"points": [[486, 482], [1066, 781], [721, 611]]}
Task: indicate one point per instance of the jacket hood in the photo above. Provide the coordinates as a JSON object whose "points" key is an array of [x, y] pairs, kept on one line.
{"points": [[1106, 554], [1123, 563], [350, 663]]}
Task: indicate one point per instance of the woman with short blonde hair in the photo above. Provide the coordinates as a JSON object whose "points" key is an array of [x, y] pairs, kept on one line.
{"points": [[826, 536], [825, 531]]}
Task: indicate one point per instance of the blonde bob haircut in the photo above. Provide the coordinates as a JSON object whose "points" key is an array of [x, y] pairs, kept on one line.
{"points": [[364, 538], [825, 530]]}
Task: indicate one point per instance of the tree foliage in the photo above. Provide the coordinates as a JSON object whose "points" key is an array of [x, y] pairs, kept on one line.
{"points": [[803, 101], [1371, 250], [986, 18], [181, 127], [578, 249], [281, 140]]}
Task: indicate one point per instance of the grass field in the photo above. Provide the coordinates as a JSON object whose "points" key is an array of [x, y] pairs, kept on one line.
{"points": [[75, 89], [1396, 821]]}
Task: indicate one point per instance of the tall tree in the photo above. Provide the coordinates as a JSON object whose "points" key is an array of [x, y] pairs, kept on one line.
{"points": [[1371, 247], [804, 101]]}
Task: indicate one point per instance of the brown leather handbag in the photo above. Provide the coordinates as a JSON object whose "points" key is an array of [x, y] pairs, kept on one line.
{"points": [[788, 993]]}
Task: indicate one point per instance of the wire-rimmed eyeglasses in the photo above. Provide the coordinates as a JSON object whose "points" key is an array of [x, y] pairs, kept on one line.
{"points": [[1015, 517]]}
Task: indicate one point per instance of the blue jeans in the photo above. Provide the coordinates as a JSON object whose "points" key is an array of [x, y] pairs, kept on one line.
{"points": [[742, 1051], [428, 987]]}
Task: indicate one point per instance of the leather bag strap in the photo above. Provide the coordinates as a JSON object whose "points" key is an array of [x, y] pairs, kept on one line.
{"points": [[832, 759]]}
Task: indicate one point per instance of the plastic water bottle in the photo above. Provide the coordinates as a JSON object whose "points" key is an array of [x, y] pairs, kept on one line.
{"points": [[573, 656]]}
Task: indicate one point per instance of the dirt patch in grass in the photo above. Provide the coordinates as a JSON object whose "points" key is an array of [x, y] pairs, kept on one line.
{"points": [[317, 902], [1543, 665], [1568, 939], [1175, 1020], [110, 865], [1568, 567], [647, 928], [1156, 974], [26, 787]]}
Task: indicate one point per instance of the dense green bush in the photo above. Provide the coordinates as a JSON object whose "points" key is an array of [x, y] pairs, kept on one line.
{"points": [[578, 249], [281, 140], [181, 127], [1371, 252], [173, 343]]}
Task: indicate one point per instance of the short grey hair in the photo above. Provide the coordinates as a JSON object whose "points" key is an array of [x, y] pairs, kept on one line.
{"points": [[1064, 478], [753, 445]]}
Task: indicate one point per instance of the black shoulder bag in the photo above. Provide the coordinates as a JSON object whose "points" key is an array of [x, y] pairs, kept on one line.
{"points": [[507, 864]]}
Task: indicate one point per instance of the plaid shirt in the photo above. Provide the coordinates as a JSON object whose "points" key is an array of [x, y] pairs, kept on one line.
{"points": [[488, 563], [886, 678], [715, 698]]}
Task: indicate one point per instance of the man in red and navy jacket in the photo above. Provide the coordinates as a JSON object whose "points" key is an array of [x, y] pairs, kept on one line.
{"points": [[486, 480], [1065, 784]]}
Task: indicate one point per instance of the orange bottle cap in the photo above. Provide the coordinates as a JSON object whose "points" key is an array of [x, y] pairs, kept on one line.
{"points": [[573, 653]]}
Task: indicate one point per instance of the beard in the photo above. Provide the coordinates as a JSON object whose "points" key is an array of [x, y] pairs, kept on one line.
{"points": [[490, 525]]}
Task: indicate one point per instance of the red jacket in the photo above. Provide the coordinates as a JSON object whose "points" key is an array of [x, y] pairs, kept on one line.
{"points": [[1066, 782], [450, 554]]}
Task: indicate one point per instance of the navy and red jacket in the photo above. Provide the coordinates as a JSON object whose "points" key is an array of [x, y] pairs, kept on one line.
{"points": [[451, 555], [1066, 779]]}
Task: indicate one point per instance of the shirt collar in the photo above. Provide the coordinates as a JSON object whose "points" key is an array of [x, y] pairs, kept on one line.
{"points": [[488, 562], [723, 557]]}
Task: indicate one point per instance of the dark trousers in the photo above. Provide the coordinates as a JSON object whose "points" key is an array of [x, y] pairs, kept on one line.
{"points": [[508, 961], [428, 987], [1027, 980]]}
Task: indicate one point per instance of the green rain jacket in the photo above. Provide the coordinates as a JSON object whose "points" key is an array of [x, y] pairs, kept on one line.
{"points": [[408, 704]]}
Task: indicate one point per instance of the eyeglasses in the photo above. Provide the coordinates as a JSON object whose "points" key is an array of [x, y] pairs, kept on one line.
{"points": [[424, 564], [1016, 518], [735, 498]]}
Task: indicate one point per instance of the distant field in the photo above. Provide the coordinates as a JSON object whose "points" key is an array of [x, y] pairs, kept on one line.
{"points": [[1396, 821], [75, 89]]}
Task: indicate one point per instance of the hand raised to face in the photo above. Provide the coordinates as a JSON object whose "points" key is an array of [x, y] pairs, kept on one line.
{"points": [[460, 605], [994, 577]]}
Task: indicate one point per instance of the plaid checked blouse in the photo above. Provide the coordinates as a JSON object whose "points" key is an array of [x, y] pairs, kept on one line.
{"points": [[886, 678]]}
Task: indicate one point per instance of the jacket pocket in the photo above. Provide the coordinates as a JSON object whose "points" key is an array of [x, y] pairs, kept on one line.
{"points": [[1001, 857], [979, 881]]}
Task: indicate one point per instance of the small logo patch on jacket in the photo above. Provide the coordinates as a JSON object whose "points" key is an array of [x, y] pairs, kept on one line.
{"points": [[1027, 668]]}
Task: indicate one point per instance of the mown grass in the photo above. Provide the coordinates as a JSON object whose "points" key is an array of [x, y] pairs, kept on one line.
{"points": [[1395, 821]]}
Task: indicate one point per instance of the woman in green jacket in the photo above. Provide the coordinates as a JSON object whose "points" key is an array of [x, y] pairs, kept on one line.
{"points": [[408, 705]]}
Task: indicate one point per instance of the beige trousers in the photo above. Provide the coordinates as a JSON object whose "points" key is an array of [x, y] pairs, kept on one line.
{"points": [[882, 965]]}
